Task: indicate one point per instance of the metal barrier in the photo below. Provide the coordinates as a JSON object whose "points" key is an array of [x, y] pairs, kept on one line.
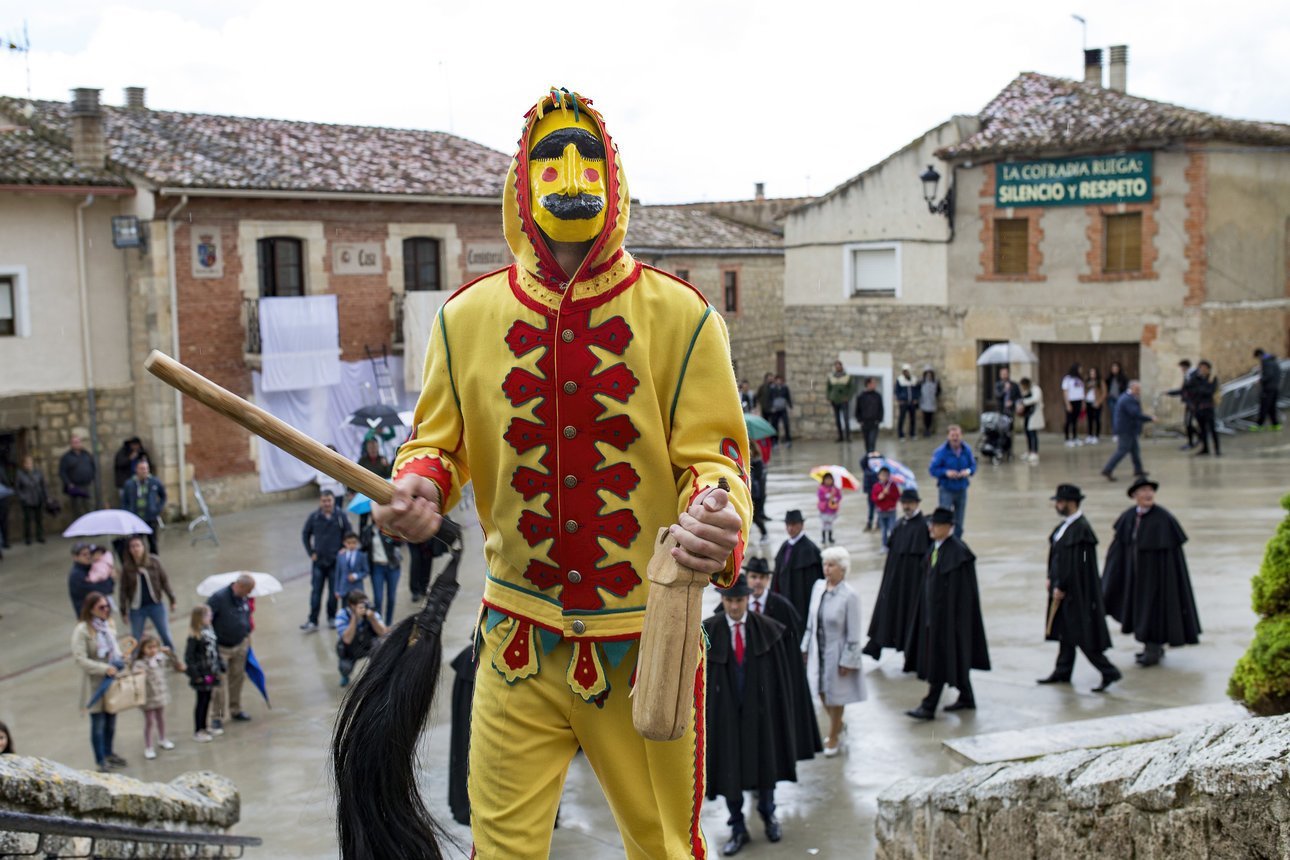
{"points": [[203, 520], [50, 829], [1238, 405]]}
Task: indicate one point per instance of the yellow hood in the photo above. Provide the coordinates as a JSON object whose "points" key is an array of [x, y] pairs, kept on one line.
{"points": [[531, 253]]}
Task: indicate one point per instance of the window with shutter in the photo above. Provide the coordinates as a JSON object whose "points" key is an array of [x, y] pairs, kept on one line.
{"points": [[420, 264], [1123, 242], [1011, 246], [281, 267]]}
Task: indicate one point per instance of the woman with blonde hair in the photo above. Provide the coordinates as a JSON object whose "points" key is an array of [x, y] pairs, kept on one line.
{"points": [[831, 644]]}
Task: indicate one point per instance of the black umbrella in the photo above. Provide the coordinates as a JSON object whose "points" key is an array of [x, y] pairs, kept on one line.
{"points": [[378, 416]]}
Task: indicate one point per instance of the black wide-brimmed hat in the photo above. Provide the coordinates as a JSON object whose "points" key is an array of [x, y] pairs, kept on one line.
{"points": [[1068, 493], [793, 516], [739, 588], [910, 495], [1140, 482], [756, 564], [942, 517]]}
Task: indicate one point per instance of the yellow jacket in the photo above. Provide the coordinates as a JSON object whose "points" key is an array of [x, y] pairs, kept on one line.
{"points": [[588, 415]]}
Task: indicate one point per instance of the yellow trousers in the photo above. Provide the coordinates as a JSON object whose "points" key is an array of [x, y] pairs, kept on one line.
{"points": [[524, 735]]}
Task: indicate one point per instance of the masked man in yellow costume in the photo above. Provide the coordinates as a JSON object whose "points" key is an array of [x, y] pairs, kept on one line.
{"points": [[591, 400]]}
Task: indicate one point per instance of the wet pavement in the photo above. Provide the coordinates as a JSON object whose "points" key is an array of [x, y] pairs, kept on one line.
{"points": [[1228, 506]]}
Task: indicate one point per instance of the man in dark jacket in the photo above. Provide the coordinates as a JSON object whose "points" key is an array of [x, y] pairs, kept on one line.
{"points": [[1269, 388], [1145, 584], [781, 402], [1076, 615], [323, 535], [902, 579], [1128, 422], [869, 412], [145, 497], [76, 471], [1006, 394], [231, 621], [1199, 392], [947, 635], [797, 565], [755, 734], [126, 459], [78, 578]]}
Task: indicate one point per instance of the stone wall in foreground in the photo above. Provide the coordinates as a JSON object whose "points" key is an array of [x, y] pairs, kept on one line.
{"points": [[1222, 791]]}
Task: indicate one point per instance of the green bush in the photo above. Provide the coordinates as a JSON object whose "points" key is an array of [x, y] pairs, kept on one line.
{"points": [[1261, 680]]}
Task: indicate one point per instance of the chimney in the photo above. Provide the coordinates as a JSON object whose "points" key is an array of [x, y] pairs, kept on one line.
{"points": [[1093, 66], [1118, 78], [759, 191], [89, 149], [134, 98]]}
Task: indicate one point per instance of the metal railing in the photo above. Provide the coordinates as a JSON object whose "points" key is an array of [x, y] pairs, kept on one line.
{"points": [[251, 315], [54, 835]]}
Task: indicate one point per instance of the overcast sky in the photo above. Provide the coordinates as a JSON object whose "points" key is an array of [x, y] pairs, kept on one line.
{"points": [[704, 98]]}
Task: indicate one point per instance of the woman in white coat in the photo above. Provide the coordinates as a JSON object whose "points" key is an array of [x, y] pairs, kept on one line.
{"points": [[831, 644], [1032, 411]]}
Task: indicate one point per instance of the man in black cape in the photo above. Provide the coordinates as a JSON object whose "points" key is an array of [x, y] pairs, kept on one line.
{"points": [[1076, 615], [947, 634], [1145, 583], [755, 734], [797, 565], [902, 578]]}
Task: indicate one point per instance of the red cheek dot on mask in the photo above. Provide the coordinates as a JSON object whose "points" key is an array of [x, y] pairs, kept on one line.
{"points": [[549, 175], [590, 174]]}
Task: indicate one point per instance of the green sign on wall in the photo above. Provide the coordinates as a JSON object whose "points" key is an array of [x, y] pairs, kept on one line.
{"points": [[1088, 181]]}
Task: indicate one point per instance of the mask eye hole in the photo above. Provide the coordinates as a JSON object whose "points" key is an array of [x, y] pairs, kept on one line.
{"points": [[549, 174], [591, 174]]}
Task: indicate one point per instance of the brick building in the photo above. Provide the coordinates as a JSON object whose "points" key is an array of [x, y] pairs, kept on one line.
{"points": [[1083, 222], [235, 210]]}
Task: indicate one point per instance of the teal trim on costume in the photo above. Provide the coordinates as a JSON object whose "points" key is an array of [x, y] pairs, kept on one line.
{"points": [[616, 651], [493, 619], [514, 587], [671, 416], [443, 330], [547, 639]]}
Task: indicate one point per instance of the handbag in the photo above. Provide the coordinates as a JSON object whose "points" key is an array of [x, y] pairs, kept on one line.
{"points": [[53, 507], [128, 690]]}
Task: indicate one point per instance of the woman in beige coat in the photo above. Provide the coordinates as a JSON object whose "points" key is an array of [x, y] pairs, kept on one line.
{"points": [[1031, 409], [99, 655]]}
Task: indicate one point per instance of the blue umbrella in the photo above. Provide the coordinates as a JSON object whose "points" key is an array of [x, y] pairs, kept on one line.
{"points": [[256, 674], [360, 504]]}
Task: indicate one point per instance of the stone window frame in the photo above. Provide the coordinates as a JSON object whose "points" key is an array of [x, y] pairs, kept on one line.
{"points": [[313, 242], [450, 248], [848, 270], [1034, 238], [726, 310], [21, 299], [1096, 232]]}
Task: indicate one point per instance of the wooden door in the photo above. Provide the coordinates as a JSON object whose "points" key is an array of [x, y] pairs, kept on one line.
{"points": [[1055, 360]]}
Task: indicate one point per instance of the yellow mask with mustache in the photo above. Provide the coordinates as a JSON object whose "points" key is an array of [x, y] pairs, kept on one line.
{"points": [[567, 176]]}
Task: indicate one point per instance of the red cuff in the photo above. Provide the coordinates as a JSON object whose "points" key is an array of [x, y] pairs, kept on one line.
{"points": [[433, 469]]}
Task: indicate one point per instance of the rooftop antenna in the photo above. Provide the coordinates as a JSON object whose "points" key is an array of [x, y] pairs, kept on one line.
{"points": [[1083, 27]]}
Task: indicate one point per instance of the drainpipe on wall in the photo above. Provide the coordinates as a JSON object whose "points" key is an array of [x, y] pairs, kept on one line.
{"points": [[174, 351], [87, 362]]}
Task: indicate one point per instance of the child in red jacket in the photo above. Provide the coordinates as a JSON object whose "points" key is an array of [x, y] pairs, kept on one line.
{"points": [[885, 494]]}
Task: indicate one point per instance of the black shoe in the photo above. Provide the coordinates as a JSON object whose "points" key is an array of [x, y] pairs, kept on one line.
{"points": [[115, 760], [1107, 681], [961, 705], [1203, 453], [735, 844], [921, 713], [774, 832], [1054, 679], [242, 717], [1149, 660]]}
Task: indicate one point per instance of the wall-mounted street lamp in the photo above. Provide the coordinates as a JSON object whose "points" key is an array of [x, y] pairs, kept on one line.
{"points": [[931, 179], [128, 232]]}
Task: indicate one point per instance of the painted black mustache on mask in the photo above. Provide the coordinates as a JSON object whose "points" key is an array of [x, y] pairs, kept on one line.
{"points": [[578, 208]]}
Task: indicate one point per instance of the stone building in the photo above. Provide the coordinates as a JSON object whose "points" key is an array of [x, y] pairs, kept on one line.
{"points": [[738, 267], [1082, 222], [233, 210]]}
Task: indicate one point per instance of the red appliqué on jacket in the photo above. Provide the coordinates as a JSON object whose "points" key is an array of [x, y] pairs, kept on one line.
{"points": [[574, 457]]}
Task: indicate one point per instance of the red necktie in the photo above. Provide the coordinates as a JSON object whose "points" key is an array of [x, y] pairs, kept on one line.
{"points": [[739, 643], [757, 605]]}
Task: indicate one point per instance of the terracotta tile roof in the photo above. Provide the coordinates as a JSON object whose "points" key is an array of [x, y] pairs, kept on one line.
{"points": [[207, 151], [28, 159], [1037, 114], [686, 227]]}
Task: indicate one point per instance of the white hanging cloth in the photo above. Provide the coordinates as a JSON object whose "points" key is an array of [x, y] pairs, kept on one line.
{"points": [[299, 342]]}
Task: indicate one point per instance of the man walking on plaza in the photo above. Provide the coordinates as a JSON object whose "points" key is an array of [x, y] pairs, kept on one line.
{"points": [[1145, 584], [145, 497], [76, 470], [947, 634], [1076, 615], [1200, 392], [764, 600], [1269, 389], [902, 579], [1128, 422], [907, 391], [840, 387], [797, 565], [231, 620], [953, 466], [781, 402], [323, 535], [869, 412]]}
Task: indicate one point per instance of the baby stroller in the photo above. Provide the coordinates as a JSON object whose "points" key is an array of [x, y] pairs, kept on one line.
{"points": [[996, 436]]}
